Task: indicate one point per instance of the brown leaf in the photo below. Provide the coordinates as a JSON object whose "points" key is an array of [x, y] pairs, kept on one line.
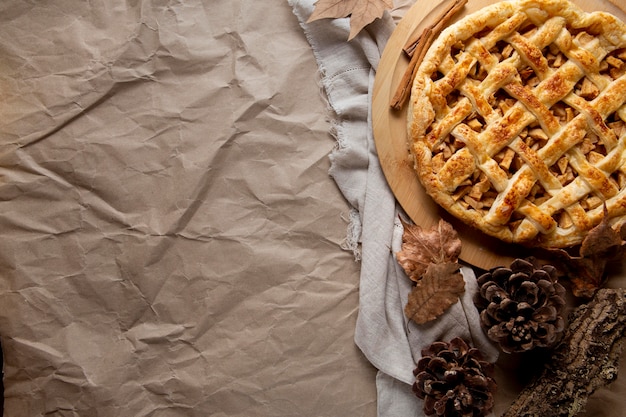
{"points": [[440, 288], [361, 12], [421, 248], [587, 272], [601, 240]]}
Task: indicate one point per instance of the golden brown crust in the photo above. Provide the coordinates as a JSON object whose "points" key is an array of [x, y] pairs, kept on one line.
{"points": [[517, 121]]}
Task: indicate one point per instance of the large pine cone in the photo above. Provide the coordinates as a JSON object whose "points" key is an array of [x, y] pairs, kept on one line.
{"points": [[520, 307], [454, 381]]}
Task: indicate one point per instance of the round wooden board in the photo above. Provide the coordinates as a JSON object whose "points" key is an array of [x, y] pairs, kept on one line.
{"points": [[390, 133]]}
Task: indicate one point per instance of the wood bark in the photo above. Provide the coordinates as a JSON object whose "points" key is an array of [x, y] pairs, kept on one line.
{"points": [[586, 358]]}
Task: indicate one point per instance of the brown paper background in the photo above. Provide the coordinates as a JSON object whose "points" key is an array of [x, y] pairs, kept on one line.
{"points": [[170, 235]]}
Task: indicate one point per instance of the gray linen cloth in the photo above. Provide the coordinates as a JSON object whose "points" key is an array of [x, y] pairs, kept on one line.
{"points": [[386, 338]]}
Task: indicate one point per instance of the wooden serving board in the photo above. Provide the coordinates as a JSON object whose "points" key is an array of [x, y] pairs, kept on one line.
{"points": [[390, 133]]}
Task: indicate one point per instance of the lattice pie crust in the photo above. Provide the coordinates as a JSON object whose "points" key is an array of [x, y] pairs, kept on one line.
{"points": [[516, 121]]}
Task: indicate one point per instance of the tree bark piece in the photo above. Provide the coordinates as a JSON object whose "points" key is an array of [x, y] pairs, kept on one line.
{"points": [[586, 359]]}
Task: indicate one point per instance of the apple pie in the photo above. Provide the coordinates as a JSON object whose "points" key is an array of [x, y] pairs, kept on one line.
{"points": [[516, 121]]}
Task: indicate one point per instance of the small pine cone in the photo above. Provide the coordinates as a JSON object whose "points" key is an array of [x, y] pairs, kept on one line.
{"points": [[454, 381], [520, 307]]}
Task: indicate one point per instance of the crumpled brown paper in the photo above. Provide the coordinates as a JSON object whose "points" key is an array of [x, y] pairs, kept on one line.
{"points": [[170, 235]]}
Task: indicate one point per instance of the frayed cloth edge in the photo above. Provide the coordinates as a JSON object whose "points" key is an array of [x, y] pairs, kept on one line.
{"points": [[353, 234]]}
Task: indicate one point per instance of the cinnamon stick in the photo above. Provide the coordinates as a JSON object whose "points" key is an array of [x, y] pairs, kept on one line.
{"points": [[416, 48], [445, 16], [402, 94]]}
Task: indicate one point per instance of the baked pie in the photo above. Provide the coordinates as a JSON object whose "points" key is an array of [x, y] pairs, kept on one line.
{"points": [[516, 121]]}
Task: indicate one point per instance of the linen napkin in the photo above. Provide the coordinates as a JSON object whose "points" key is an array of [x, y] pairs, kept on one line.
{"points": [[386, 338]]}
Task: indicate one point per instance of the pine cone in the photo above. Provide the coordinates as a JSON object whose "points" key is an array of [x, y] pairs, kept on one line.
{"points": [[520, 307], [454, 381]]}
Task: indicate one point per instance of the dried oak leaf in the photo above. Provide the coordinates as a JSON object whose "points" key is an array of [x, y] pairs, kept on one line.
{"points": [[439, 288], [361, 12], [421, 248], [586, 272]]}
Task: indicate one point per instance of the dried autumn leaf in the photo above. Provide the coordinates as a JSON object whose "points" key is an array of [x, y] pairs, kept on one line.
{"points": [[439, 288], [361, 12], [421, 248], [586, 272], [601, 241]]}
